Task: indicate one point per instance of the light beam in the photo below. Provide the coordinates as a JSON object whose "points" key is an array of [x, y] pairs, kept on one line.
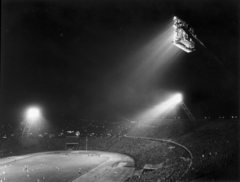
{"points": [[161, 108]]}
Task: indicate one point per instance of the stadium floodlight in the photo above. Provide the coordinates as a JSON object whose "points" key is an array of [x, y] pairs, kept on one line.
{"points": [[176, 99], [182, 35], [33, 114], [163, 107]]}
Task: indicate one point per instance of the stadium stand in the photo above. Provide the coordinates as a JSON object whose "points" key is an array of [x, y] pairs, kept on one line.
{"points": [[214, 145]]}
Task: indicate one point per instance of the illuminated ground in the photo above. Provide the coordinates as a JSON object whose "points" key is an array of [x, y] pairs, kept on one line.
{"points": [[66, 166]]}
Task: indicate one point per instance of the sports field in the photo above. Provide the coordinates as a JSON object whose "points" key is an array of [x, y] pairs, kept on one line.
{"points": [[66, 166]]}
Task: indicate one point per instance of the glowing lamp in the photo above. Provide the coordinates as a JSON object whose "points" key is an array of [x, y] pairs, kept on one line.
{"points": [[177, 98], [181, 36], [33, 113]]}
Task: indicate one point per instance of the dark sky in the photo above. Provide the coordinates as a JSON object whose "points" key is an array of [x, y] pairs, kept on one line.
{"points": [[83, 58]]}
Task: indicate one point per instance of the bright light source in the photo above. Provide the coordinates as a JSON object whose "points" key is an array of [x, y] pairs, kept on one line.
{"points": [[173, 100], [181, 36], [33, 113], [163, 107], [177, 98]]}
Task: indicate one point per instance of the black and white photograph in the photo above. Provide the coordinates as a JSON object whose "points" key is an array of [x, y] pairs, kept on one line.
{"points": [[119, 90]]}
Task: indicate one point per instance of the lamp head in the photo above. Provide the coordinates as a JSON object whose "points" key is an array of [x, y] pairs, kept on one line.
{"points": [[33, 113]]}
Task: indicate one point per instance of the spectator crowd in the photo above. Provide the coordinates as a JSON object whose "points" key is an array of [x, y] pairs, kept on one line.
{"points": [[212, 144]]}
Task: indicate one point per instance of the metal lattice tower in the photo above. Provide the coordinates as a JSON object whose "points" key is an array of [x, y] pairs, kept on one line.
{"points": [[187, 111]]}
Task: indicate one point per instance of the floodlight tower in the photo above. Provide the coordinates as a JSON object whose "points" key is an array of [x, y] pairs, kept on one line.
{"points": [[178, 99], [185, 38], [32, 115], [187, 111], [182, 36]]}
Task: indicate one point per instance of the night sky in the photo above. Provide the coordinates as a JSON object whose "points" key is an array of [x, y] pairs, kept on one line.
{"points": [[100, 59]]}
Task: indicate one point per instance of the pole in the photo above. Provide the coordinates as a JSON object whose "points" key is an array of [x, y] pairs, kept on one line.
{"points": [[187, 111]]}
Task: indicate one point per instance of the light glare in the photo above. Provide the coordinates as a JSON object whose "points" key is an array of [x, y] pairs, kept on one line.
{"points": [[162, 108], [177, 98], [33, 113]]}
